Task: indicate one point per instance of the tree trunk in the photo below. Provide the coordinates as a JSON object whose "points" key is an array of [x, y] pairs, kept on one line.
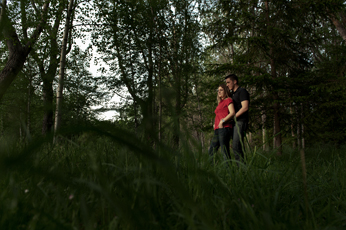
{"points": [[302, 134], [264, 140], [18, 52], [274, 131], [302, 126], [265, 143], [339, 26], [292, 127], [278, 141], [177, 111], [200, 115], [28, 117], [136, 118], [59, 96], [48, 77], [48, 96], [151, 100], [1, 125], [20, 126], [177, 85], [298, 131], [249, 140], [160, 92], [276, 105], [160, 99], [264, 133]]}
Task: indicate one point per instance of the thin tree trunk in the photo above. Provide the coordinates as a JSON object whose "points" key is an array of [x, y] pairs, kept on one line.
{"points": [[20, 126], [298, 131], [160, 98], [28, 117], [302, 134], [264, 140], [59, 96], [133, 83], [48, 96], [278, 141], [1, 125], [151, 99], [200, 115], [177, 85], [136, 118], [249, 140], [265, 143], [292, 127], [302, 126], [274, 131], [264, 133], [177, 111], [160, 72], [276, 105]]}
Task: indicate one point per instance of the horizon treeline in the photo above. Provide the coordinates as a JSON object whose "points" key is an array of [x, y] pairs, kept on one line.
{"points": [[165, 58]]}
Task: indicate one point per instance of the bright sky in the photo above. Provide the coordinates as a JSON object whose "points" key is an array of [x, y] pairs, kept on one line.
{"points": [[108, 115]]}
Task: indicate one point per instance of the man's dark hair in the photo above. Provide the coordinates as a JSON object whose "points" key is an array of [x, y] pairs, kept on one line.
{"points": [[233, 77]]}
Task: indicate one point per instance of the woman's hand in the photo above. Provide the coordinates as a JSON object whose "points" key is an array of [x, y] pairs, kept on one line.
{"points": [[221, 124]]}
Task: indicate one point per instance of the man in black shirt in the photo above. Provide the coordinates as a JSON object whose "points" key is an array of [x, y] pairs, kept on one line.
{"points": [[241, 101]]}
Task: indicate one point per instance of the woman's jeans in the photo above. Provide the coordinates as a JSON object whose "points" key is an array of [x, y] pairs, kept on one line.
{"points": [[221, 139]]}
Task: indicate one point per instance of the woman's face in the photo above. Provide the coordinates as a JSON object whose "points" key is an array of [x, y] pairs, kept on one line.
{"points": [[221, 92]]}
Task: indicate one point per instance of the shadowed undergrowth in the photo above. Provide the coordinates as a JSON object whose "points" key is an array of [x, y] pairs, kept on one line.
{"points": [[113, 180]]}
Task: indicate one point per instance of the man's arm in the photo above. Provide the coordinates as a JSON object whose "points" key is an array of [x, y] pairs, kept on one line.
{"points": [[244, 108]]}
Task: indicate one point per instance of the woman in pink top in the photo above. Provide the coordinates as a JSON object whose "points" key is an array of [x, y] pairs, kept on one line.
{"points": [[222, 127]]}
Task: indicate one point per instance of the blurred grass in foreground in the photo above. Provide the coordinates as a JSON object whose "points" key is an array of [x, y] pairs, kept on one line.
{"points": [[109, 179]]}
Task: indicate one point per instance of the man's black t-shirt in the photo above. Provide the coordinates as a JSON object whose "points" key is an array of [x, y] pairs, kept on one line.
{"points": [[238, 96]]}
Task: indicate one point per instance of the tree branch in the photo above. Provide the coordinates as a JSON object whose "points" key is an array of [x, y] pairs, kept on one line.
{"points": [[34, 6], [39, 27], [24, 21]]}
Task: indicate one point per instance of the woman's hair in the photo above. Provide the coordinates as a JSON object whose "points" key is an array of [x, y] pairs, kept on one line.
{"points": [[225, 91]]}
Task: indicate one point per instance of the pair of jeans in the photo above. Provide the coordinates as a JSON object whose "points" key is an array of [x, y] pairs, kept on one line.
{"points": [[221, 139], [239, 131]]}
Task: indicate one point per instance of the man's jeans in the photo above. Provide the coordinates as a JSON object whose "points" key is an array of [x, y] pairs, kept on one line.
{"points": [[221, 139], [239, 131]]}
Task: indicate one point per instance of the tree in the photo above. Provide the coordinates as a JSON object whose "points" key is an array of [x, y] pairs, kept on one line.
{"points": [[17, 50], [43, 53], [150, 46], [59, 95]]}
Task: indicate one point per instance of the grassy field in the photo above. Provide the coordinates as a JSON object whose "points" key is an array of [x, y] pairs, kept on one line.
{"points": [[111, 180]]}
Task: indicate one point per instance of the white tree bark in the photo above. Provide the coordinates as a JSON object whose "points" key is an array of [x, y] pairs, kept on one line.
{"points": [[59, 95], [264, 133]]}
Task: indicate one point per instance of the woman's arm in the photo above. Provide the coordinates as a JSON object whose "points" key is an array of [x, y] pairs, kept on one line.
{"points": [[229, 116]]}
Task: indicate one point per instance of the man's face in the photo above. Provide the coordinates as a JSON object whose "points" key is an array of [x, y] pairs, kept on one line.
{"points": [[230, 84]]}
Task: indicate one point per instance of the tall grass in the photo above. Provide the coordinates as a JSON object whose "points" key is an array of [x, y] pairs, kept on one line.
{"points": [[112, 180]]}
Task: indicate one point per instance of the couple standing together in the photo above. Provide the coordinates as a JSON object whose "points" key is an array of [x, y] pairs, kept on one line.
{"points": [[231, 120]]}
